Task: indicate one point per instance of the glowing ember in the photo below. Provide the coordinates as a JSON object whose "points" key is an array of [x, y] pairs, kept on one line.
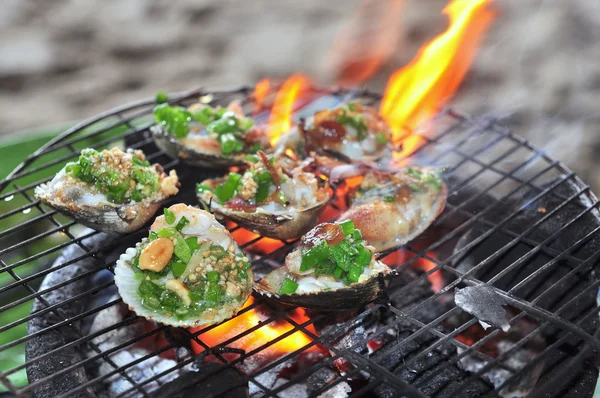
{"points": [[260, 92], [262, 245], [283, 108], [261, 336], [401, 256], [417, 91]]}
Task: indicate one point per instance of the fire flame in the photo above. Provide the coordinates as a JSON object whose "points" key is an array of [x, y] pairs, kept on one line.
{"points": [[263, 335], [283, 107], [417, 91], [260, 92]]}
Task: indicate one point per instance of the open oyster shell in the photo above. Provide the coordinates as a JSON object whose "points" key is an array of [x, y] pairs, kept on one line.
{"points": [[392, 209], [321, 291], [308, 196], [78, 201]]}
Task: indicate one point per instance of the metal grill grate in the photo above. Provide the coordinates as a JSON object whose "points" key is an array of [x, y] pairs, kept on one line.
{"points": [[516, 220]]}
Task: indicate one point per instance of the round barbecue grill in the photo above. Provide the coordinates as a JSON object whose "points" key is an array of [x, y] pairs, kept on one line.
{"points": [[497, 298]]}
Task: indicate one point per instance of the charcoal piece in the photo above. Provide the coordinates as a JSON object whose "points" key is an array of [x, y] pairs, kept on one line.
{"points": [[318, 381], [449, 382], [210, 381], [59, 337], [405, 298], [485, 304]]}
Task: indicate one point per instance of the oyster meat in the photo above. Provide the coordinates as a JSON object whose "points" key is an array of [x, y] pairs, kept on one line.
{"points": [[275, 197], [392, 208], [352, 131], [333, 268], [188, 272], [111, 190], [209, 137]]}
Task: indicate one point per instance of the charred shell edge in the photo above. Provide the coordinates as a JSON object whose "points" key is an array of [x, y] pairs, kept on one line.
{"points": [[289, 225], [109, 217], [128, 289], [356, 295], [169, 145]]}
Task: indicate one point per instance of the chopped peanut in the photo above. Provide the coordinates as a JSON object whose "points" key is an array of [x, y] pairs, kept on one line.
{"points": [[180, 289], [156, 255]]}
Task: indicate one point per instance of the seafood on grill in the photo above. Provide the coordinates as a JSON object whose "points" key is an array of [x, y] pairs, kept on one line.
{"points": [[333, 268], [274, 197], [188, 272], [351, 131], [392, 208], [206, 136], [109, 190]]}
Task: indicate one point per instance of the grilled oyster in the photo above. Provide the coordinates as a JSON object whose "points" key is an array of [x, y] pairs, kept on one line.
{"points": [[204, 136], [391, 209], [111, 191], [274, 197], [188, 272], [332, 269], [354, 131]]}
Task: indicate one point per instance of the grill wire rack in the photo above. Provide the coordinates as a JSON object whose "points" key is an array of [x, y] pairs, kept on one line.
{"points": [[503, 195]]}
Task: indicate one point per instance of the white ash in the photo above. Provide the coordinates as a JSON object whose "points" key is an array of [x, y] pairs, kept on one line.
{"points": [[485, 304]]}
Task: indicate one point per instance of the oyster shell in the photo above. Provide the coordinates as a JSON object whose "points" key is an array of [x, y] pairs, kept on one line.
{"points": [[306, 196], [352, 131], [392, 209], [233, 269], [324, 291], [197, 147], [84, 203]]}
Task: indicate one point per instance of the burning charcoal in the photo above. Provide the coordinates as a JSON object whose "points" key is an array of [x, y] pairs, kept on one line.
{"points": [[484, 303], [209, 381], [59, 337], [271, 379], [319, 380]]}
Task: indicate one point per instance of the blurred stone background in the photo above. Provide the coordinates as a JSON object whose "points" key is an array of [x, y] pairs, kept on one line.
{"points": [[65, 60]]}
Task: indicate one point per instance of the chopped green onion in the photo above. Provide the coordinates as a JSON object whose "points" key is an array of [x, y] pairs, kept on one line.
{"points": [[204, 115], [357, 235], [364, 257], [262, 192], [381, 138], [169, 216], [182, 223], [175, 119], [338, 273], [433, 180], [230, 143], [414, 172], [153, 236], [226, 191], [314, 256], [166, 232], [161, 97], [347, 227], [251, 158], [354, 273], [217, 251], [288, 286], [388, 199], [213, 276], [182, 250], [192, 243], [351, 106], [214, 292], [415, 187], [281, 197], [178, 268]]}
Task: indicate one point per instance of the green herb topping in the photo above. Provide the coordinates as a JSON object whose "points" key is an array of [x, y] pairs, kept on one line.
{"points": [[121, 176], [345, 261], [228, 128]]}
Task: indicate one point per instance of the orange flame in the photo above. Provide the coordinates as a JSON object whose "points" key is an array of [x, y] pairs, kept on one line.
{"points": [[260, 92], [417, 91], [263, 335], [283, 107]]}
